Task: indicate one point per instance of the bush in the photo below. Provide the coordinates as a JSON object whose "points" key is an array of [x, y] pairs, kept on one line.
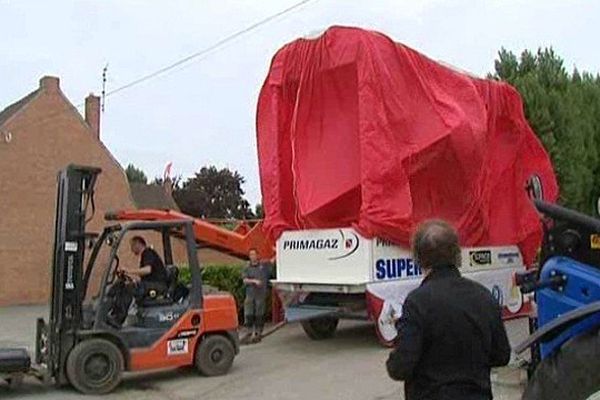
{"points": [[227, 278]]}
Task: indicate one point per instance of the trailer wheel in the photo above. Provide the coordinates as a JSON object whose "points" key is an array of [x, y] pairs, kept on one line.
{"points": [[571, 373], [320, 328], [214, 355], [94, 366]]}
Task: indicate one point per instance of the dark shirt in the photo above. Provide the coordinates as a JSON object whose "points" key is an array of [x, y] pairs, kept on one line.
{"points": [[158, 273], [260, 271], [450, 334]]}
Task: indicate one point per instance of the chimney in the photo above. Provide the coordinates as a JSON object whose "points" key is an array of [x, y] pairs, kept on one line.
{"points": [[50, 83], [92, 114]]}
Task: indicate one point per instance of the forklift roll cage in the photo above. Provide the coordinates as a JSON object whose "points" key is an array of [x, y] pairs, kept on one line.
{"points": [[180, 229], [67, 324]]}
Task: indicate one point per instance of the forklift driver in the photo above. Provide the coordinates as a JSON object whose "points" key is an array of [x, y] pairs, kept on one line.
{"points": [[152, 271], [150, 277]]}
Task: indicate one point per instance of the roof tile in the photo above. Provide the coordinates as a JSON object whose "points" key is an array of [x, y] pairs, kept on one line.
{"points": [[152, 196]]}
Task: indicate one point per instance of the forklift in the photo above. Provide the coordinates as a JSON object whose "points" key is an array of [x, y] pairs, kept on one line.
{"points": [[80, 345]]}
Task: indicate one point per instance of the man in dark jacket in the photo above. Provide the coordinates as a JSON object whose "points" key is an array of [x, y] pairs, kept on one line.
{"points": [[450, 333]]}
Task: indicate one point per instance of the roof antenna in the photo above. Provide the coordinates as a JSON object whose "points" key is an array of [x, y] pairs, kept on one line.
{"points": [[104, 70]]}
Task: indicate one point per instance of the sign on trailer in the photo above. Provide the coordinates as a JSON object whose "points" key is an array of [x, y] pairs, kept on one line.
{"points": [[337, 260]]}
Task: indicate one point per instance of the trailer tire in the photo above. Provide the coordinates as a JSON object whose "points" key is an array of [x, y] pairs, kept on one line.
{"points": [[95, 366], [571, 373], [214, 355], [320, 328]]}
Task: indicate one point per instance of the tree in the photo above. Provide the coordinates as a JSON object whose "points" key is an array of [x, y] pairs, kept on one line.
{"points": [[175, 182], [259, 211], [564, 111], [135, 175], [213, 193]]}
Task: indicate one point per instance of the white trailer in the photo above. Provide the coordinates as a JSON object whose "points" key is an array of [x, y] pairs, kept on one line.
{"points": [[325, 275]]}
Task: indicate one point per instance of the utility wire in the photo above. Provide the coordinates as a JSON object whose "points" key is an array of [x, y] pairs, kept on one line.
{"points": [[201, 53], [208, 49]]}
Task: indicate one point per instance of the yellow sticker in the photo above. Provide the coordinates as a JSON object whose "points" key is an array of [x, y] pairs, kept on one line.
{"points": [[595, 241]]}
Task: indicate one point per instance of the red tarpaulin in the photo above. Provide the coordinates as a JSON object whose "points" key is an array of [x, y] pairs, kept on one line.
{"points": [[354, 129]]}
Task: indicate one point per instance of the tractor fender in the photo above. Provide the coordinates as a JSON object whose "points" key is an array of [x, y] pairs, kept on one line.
{"points": [[557, 326], [110, 336]]}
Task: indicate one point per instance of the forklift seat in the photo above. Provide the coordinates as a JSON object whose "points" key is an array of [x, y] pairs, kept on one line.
{"points": [[172, 278], [159, 296]]}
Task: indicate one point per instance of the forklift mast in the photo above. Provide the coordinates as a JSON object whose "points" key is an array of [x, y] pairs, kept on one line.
{"points": [[75, 194]]}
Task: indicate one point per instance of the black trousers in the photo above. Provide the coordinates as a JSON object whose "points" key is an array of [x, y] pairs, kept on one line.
{"points": [[254, 311]]}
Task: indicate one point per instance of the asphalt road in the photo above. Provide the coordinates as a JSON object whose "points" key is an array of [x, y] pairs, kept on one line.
{"points": [[285, 366]]}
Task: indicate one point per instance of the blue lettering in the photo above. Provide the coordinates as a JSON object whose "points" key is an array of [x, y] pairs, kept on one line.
{"points": [[392, 272], [401, 266], [380, 267], [396, 268]]}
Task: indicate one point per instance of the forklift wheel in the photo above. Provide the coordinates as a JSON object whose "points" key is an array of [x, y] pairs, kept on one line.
{"points": [[94, 366], [214, 355], [571, 373], [320, 328]]}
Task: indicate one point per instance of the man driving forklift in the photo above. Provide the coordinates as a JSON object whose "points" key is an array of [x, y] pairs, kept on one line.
{"points": [[148, 280], [152, 272]]}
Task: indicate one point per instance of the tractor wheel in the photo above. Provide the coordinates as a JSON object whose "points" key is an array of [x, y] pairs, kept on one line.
{"points": [[320, 328], [214, 355], [94, 366], [571, 373]]}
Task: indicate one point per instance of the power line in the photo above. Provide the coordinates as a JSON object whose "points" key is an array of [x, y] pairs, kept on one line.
{"points": [[201, 53], [208, 49]]}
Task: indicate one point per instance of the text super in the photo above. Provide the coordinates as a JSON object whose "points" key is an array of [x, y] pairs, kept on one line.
{"points": [[394, 268]]}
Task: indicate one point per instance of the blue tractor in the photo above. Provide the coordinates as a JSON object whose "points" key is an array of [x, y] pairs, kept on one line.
{"points": [[565, 336]]}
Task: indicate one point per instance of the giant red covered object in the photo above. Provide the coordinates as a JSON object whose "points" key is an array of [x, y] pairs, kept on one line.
{"points": [[354, 129]]}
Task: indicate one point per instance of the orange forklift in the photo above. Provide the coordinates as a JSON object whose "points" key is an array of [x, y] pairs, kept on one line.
{"points": [[170, 328]]}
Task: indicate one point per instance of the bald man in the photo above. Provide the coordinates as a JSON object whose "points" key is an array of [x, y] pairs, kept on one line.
{"points": [[451, 332]]}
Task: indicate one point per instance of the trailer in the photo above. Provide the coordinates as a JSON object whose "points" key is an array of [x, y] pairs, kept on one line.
{"points": [[324, 275], [361, 139]]}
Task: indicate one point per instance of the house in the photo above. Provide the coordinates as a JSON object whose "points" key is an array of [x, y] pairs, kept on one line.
{"points": [[39, 135]]}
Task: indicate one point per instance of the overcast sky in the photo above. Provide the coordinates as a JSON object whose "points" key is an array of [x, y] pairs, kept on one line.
{"points": [[204, 112]]}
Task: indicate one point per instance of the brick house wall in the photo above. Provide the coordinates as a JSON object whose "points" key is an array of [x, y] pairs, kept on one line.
{"points": [[46, 133]]}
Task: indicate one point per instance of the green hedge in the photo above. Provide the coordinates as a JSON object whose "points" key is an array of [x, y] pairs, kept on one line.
{"points": [[227, 278]]}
